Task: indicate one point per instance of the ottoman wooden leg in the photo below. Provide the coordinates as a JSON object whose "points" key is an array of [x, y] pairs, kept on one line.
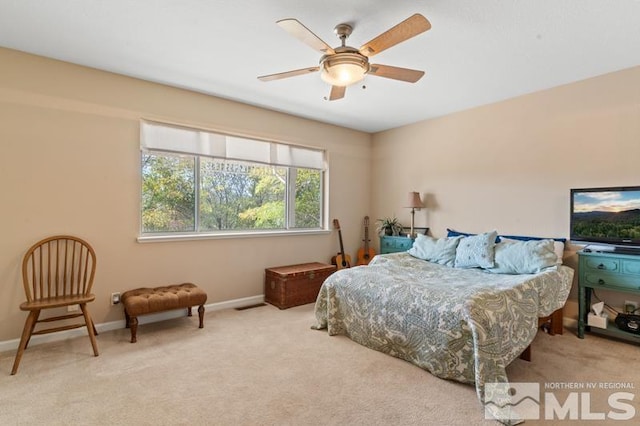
{"points": [[201, 315], [133, 324], [127, 320], [189, 311]]}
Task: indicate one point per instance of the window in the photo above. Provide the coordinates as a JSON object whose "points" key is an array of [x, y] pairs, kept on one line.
{"points": [[196, 182]]}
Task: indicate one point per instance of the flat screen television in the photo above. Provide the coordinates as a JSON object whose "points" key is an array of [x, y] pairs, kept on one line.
{"points": [[606, 215]]}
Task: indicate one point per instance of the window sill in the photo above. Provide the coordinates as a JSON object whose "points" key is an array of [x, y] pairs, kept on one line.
{"points": [[194, 237]]}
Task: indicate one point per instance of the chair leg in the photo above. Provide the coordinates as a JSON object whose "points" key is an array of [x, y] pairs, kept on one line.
{"points": [[26, 335], [33, 326], [201, 315], [90, 328]]}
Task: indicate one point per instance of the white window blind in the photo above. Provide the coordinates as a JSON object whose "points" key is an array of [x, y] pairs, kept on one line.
{"points": [[164, 137]]}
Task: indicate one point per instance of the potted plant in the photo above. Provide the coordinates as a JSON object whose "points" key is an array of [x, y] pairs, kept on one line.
{"points": [[389, 226]]}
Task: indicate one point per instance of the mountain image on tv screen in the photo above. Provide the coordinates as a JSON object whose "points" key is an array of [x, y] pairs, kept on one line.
{"points": [[606, 215]]}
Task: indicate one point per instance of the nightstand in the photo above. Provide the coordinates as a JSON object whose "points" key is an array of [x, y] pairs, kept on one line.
{"points": [[606, 271], [389, 244]]}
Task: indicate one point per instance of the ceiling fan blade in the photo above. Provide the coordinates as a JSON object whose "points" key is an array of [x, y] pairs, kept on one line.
{"points": [[304, 34], [396, 73], [337, 92], [288, 74], [410, 27]]}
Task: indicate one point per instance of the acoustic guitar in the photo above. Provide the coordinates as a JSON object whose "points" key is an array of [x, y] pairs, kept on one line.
{"points": [[366, 253], [342, 260]]}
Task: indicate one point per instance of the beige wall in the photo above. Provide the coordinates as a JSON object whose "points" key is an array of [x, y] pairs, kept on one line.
{"points": [[69, 140], [509, 166], [70, 164]]}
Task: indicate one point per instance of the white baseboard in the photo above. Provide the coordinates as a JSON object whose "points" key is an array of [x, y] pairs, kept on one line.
{"points": [[12, 344]]}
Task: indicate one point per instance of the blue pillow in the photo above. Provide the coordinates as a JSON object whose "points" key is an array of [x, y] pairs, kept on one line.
{"points": [[476, 251], [558, 244], [442, 251], [524, 257], [452, 233], [525, 238]]}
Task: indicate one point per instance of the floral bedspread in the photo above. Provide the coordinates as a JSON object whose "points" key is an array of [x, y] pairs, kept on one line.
{"points": [[460, 324]]}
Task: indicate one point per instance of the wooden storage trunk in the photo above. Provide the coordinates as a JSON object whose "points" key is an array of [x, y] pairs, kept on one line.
{"points": [[293, 285]]}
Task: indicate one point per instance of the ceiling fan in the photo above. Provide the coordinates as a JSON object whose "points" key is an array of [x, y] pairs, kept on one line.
{"points": [[344, 65]]}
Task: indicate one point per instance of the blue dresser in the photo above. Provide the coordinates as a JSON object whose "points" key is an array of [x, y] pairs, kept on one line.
{"points": [[390, 244], [606, 271]]}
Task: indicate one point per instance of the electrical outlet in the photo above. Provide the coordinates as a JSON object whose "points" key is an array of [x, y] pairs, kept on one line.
{"points": [[630, 306], [115, 298], [73, 308]]}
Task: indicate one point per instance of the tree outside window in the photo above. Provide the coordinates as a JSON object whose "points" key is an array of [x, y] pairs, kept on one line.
{"points": [[198, 194]]}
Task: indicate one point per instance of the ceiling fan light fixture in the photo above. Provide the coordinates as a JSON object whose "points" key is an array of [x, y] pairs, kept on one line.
{"points": [[343, 69], [344, 65]]}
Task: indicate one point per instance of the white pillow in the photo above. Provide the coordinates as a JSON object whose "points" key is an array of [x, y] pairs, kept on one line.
{"points": [[523, 257], [558, 248], [476, 251], [442, 251]]}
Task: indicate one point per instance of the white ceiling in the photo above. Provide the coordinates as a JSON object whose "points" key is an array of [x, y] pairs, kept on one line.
{"points": [[477, 52]]}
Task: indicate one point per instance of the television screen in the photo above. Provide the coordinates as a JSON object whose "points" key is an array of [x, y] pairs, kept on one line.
{"points": [[606, 215]]}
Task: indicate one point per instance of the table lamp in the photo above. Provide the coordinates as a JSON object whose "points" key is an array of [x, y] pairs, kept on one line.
{"points": [[414, 202]]}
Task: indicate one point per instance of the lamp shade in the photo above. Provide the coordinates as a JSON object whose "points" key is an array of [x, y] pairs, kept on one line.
{"points": [[414, 201]]}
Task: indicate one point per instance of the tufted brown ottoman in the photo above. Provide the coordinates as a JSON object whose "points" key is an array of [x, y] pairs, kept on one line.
{"points": [[143, 301]]}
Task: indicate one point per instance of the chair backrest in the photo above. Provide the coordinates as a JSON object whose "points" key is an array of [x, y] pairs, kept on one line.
{"points": [[58, 266]]}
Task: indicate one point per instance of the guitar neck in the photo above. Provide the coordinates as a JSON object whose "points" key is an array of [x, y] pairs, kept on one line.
{"points": [[366, 234], [345, 260], [341, 246], [366, 239]]}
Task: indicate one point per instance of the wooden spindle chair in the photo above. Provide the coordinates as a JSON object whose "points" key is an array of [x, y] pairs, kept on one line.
{"points": [[57, 272]]}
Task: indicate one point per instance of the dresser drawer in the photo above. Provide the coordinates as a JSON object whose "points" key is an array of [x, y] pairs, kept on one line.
{"points": [[602, 264], [403, 244], [631, 267], [395, 244], [604, 279]]}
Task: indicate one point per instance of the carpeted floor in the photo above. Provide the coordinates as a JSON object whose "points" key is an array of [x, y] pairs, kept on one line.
{"points": [[263, 366]]}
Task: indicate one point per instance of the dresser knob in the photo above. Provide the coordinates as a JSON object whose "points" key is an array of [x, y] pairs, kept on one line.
{"points": [[601, 281], [601, 266]]}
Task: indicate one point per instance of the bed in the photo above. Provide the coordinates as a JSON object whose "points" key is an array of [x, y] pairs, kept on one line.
{"points": [[462, 324]]}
